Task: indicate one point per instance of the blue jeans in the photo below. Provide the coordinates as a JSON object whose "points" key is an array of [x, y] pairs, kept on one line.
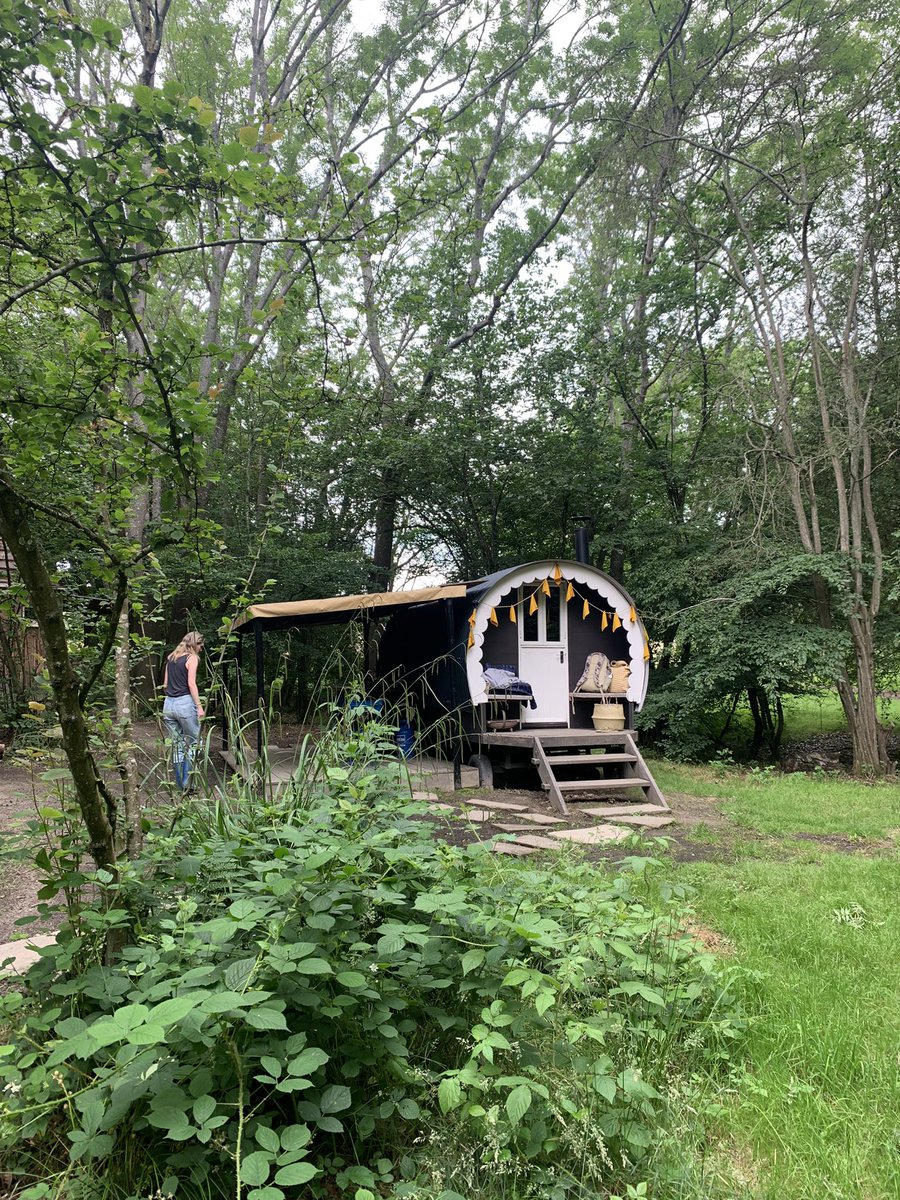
{"points": [[181, 720]]}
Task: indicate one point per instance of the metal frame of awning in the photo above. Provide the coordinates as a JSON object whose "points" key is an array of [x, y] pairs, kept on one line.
{"points": [[329, 610], [336, 609]]}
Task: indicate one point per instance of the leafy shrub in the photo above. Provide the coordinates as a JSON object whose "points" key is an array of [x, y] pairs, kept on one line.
{"points": [[347, 985]]}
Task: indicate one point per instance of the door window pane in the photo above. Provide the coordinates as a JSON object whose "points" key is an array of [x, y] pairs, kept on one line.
{"points": [[551, 606], [529, 620]]}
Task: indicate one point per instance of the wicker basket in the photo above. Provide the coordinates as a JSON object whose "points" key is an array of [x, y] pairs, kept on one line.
{"points": [[621, 673], [608, 717]]}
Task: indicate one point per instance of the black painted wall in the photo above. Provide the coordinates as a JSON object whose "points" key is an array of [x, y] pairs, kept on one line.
{"points": [[586, 637], [501, 645]]}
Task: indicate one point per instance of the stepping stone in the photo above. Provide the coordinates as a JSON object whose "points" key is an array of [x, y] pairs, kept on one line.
{"points": [[592, 836], [618, 810], [427, 796], [512, 848], [502, 806], [643, 821], [441, 807], [540, 843], [23, 954], [476, 815], [540, 819], [512, 828]]}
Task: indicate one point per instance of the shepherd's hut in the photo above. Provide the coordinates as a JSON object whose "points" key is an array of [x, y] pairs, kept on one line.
{"points": [[541, 665]]}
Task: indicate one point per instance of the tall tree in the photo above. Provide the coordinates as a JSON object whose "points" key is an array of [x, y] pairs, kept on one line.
{"points": [[93, 405], [808, 192]]}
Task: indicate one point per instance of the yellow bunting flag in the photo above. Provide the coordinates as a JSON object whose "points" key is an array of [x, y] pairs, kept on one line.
{"points": [[545, 587], [632, 615], [493, 617], [570, 593], [604, 620], [646, 652], [533, 606], [585, 609], [617, 624], [471, 641], [512, 613], [557, 573], [472, 617]]}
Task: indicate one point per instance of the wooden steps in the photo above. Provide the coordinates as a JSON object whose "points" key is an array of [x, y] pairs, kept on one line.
{"points": [[611, 785], [626, 761], [591, 809], [588, 759]]}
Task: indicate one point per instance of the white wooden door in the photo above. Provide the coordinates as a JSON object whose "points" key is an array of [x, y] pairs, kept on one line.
{"points": [[544, 658]]}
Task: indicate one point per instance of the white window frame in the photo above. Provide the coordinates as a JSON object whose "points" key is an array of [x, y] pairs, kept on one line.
{"points": [[541, 617]]}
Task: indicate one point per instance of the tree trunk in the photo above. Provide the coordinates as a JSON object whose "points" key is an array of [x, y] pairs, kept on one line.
{"points": [[126, 760], [149, 19], [95, 803], [382, 570], [870, 755], [759, 731]]}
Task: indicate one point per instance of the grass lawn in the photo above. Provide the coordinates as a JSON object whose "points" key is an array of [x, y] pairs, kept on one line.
{"points": [[808, 715], [775, 803], [805, 716], [815, 1103]]}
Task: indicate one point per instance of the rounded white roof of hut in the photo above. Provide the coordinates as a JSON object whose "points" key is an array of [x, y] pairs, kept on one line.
{"points": [[614, 597]]}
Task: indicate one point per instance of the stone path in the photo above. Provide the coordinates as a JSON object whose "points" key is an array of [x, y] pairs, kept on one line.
{"points": [[23, 954], [525, 832]]}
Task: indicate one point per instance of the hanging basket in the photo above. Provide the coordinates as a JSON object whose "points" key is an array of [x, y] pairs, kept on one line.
{"points": [[609, 717]]}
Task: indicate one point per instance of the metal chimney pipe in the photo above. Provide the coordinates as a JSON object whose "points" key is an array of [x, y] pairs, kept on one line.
{"points": [[583, 541]]}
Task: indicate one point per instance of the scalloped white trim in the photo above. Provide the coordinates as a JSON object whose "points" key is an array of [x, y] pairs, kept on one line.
{"points": [[617, 597]]}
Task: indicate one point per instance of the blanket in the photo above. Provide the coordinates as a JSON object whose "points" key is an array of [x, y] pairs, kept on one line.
{"points": [[504, 679]]}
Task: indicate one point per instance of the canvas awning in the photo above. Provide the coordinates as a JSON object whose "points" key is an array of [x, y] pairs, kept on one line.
{"points": [[344, 608]]}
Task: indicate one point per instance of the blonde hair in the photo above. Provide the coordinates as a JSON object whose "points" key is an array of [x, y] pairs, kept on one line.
{"points": [[191, 643]]}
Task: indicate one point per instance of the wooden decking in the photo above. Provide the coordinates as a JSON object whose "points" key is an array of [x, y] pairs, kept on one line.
{"points": [[549, 735]]}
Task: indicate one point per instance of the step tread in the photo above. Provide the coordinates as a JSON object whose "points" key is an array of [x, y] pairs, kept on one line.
{"points": [[644, 820], [591, 808], [580, 737], [584, 785], [589, 760]]}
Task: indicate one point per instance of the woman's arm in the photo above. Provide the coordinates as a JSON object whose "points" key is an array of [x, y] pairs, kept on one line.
{"points": [[166, 675], [192, 662]]}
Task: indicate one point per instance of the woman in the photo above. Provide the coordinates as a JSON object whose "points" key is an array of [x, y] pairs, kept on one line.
{"points": [[182, 709]]}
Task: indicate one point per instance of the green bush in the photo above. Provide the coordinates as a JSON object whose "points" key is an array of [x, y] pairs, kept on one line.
{"points": [[320, 1001]]}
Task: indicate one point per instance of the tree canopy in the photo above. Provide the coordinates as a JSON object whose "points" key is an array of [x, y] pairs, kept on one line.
{"points": [[292, 293]]}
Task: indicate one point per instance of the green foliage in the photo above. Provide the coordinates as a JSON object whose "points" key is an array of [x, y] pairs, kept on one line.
{"points": [[347, 983], [748, 629]]}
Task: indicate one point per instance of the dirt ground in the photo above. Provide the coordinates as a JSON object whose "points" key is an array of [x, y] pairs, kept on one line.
{"points": [[700, 831], [19, 882], [21, 794]]}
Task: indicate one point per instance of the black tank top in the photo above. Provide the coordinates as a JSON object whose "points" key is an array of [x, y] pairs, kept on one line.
{"points": [[177, 677]]}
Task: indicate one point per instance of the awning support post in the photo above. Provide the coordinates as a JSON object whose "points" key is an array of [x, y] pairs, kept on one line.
{"points": [[224, 702], [239, 681], [454, 691], [367, 651], [260, 684]]}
